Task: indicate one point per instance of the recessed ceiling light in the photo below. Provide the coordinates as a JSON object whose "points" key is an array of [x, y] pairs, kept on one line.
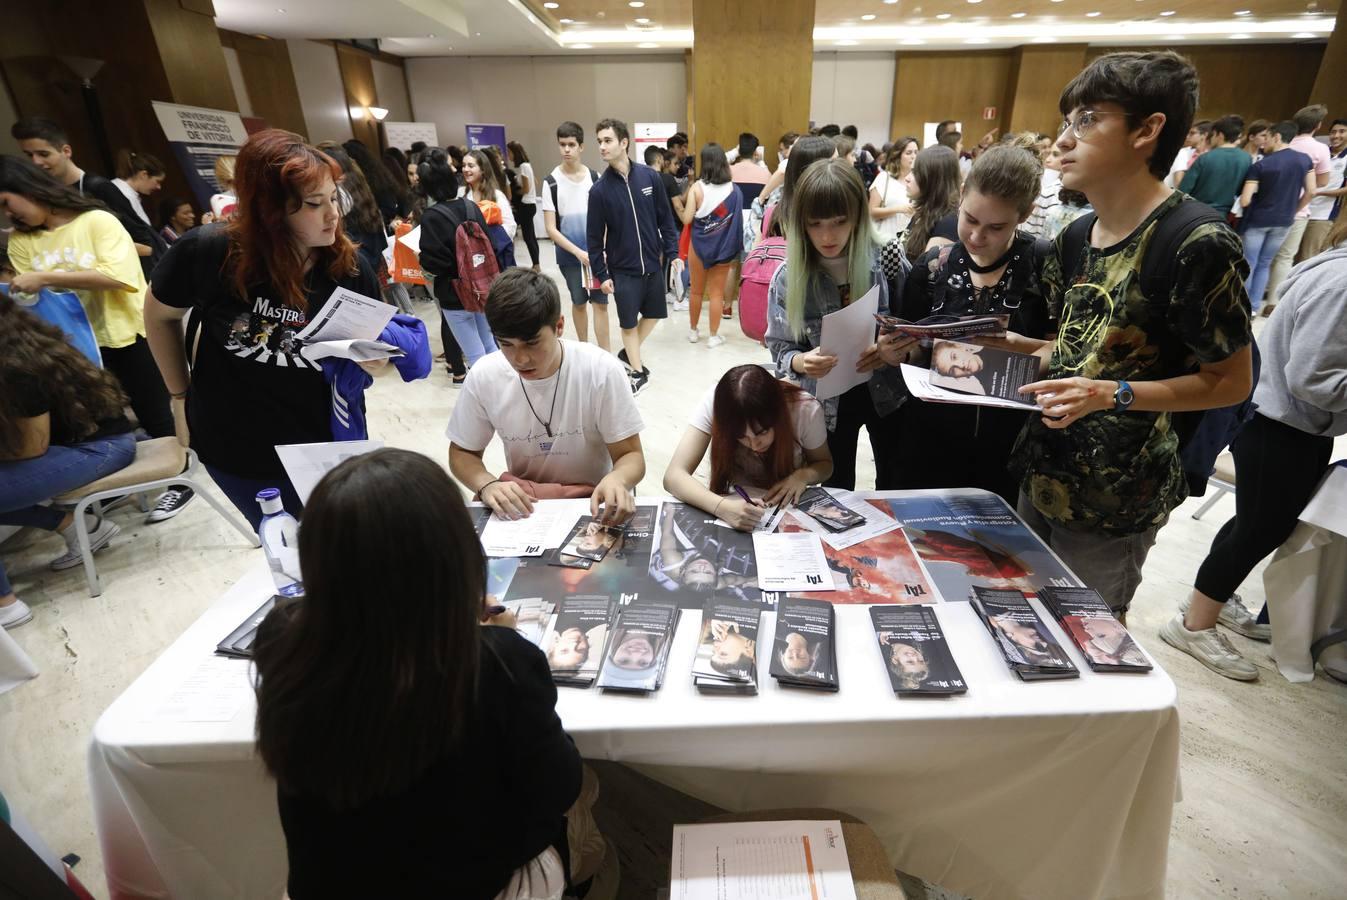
{"points": [[974, 1], [1056, 1], [977, 41], [581, 46], [477, 33], [1239, 37], [642, 21], [636, 4], [1304, 34], [1017, 15], [647, 46], [943, 16], [846, 43], [551, 5], [1243, 12], [890, 2], [868, 17], [1168, 12], [566, 21], [912, 42], [1091, 15]]}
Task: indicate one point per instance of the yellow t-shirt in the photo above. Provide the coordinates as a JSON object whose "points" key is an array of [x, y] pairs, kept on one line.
{"points": [[95, 241]]}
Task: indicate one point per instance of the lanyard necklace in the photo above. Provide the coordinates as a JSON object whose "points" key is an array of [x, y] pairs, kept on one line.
{"points": [[551, 414]]}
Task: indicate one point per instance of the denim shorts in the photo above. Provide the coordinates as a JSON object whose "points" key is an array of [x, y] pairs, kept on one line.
{"points": [[575, 278], [639, 296]]}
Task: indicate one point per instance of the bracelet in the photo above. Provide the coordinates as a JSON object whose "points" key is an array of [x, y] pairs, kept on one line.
{"points": [[177, 396], [485, 486], [715, 513]]}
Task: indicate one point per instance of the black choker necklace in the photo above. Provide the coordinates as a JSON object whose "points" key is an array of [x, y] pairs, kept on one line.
{"points": [[983, 270]]}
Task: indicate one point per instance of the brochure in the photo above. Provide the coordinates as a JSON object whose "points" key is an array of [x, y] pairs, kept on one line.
{"points": [[880, 569], [239, 642], [1092, 627], [823, 508], [985, 371], [1026, 645], [727, 647], [791, 562], [575, 639], [804, 647], [929, 329], [915, 652], [639, 649]]}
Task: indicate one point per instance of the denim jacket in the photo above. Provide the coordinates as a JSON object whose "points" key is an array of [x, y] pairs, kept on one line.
{"points": [[886, 383]]}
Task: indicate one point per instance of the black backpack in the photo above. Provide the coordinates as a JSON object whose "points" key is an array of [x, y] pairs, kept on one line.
{"points": [[1202, 434]]}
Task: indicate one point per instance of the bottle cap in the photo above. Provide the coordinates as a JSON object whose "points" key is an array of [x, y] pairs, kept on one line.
{"points": [[270, 500]]}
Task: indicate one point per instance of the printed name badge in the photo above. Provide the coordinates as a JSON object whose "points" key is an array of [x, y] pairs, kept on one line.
{"points": [[545, 445]]}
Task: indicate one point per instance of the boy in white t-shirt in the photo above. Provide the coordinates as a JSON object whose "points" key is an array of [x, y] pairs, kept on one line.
{"points": [[565, 203], [564, 411]]}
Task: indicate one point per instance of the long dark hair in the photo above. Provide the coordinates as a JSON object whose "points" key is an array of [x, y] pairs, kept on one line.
{"points": [[488, 184], [129, 162], [804, 152], [273, 171], [395, 161], [33, 351], [714, 167], [367, 681], [380, 180], [936, 172], [518, 156], [363, 217], [22, 177], [435, 178], [748, 396]]}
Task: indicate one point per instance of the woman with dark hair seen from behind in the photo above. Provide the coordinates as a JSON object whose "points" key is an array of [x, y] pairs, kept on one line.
{"points": [[66, 241], [992, 270], [255, 283], [388, 193], [933, 188], [714, 208], [439, 237], [804, 152], [436, 159], [890, 207], [139, 175], [61, 426], [395, 161], [178, 217], [527, 206], [454, 774], [763, 433], [360, 217]]}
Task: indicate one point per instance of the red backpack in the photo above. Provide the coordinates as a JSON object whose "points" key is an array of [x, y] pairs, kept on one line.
{"points": [[755, 277], [477, 266]]}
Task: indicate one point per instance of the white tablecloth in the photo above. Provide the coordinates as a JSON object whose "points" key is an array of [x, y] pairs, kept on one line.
{"points": [[1014, 790], [1306, 584]]}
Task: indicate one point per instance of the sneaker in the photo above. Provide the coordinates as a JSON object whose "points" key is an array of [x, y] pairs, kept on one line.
{"points": [[681, 306], [1237, 617], [622, 356], [693, 336], [169, 504], [16, 614], [98, 539], [715, 341], [638, 381], [727, 313], [1209, 647]]}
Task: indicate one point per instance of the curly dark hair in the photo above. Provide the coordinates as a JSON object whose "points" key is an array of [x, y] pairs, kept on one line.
{"points": [[35, 351]]}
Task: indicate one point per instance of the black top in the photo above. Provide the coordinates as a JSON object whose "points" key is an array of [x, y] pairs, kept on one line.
{"points": [[671, 188], [34, 400], [439, 244], [947, 228], [110, 195], [250, 389], [933, 290], [465, 826]]}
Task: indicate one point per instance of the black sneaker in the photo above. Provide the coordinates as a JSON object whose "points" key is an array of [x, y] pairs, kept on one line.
{"points": [[169, 504], [638, 381], [622, 357]]}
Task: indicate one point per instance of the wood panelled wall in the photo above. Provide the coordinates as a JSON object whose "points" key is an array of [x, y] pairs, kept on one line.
{"points": [[357, 75], [1037, 76], [931, 87], [269, 79], [752, 64], [1331, 86]]}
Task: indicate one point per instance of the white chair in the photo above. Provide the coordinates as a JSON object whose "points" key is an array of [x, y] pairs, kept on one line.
{"points": [[160, 463], [1223, 480]]}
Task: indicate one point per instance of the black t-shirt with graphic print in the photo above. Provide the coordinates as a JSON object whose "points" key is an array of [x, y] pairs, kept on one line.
{"points": [[251, 389]]}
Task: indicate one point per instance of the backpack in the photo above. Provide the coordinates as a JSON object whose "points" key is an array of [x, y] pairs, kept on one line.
{"points": [[755, 278], [551, 182], [477, 266], [867, 167], [1202, 434], [516, 186]]}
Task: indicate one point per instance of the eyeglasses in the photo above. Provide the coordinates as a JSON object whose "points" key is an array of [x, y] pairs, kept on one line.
{"points": [[1085, 123]]}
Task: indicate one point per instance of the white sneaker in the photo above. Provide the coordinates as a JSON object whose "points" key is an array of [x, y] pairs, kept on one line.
{"points": [[16, 614], [714, 341], [98, 539], [693, 336], [1209, 647], [1237, 617], [681, 306]]}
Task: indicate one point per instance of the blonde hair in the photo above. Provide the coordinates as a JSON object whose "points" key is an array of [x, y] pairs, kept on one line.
{"points": [[827, 189], [224, 172]]}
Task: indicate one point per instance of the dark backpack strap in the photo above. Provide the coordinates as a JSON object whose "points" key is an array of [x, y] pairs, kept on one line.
{"points": [[593, 176], [551, 182], [1075, 238], [1159, 264]]}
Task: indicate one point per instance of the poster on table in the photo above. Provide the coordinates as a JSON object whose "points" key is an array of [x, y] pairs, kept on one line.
{"points": [[480, 136], [651, 134], [198, 137], [403, 134]]}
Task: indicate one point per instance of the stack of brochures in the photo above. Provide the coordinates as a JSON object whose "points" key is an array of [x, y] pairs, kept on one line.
{"points": [[804, 650], [915, 652], [239, 643], [727, 653], [1027, 646], [575, 639], [638, 650], [1092, 627]]}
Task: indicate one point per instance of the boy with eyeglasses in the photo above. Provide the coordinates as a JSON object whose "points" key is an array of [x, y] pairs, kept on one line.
{"points": [[1100, 468]]}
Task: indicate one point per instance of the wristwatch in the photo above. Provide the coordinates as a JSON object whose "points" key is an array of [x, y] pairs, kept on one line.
{"points": [[1123, 397]]}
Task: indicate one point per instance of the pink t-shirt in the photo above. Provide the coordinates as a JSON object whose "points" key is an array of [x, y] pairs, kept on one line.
{"points": [[1319, 154]]}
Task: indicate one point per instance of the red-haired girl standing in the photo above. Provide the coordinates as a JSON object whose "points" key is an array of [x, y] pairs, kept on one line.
{"points": [[252, 284]]}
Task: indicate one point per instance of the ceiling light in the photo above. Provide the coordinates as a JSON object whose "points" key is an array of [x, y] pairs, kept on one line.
{"points": [[430, 35], [643, 21], [977, 41], [1239, 37], [1243, 12], [1056, 1], [913, 42], [1168, 12], [551, 5], [847, 43], [581, 46], [566, 21], [1091, 15], [890, 2], [636, 4], [1304, 34], [974, 1], [647, 46], [478, 33], [868, 17], [1017, 15], [379, 113], [943, 16]]}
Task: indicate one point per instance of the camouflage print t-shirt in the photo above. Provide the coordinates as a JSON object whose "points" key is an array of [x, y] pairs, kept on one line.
{"points": [[1120, 472]]}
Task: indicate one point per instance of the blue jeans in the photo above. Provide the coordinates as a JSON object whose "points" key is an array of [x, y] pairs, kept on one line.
{"points": [[242, 492], [471, 332], [1260, 248], [25, 483]]}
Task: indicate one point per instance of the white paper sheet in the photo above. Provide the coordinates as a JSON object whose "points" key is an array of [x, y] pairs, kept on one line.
{"points": [[357, 351], [348, 316], [306, 464], [214, 692], [791, 562], [794, 860], [876, 523], [530, 536], [847, 333], [412, 240], [919, 384]]}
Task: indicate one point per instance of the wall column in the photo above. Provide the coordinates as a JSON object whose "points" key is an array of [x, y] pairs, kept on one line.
{"points": [[1330, 87], [752, 64], [1037, 76]]}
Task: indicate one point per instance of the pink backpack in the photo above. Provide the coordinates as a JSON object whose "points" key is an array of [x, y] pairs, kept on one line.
{"points": [[477, 266], [755, 277]]}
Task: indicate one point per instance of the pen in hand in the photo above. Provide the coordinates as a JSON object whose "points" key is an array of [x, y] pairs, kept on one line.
{"points": [[744, 495]]}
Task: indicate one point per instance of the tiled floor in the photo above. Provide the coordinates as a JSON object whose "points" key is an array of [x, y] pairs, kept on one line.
{"points": [[1264, 807]]}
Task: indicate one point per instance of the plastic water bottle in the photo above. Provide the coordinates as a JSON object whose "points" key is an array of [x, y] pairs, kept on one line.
{"points": [[280, 541]]}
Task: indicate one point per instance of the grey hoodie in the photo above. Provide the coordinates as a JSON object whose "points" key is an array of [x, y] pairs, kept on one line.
{"points": [[1304, 376]]}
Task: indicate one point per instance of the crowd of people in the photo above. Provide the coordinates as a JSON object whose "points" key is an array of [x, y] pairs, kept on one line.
{"points": [[1129, 254]]}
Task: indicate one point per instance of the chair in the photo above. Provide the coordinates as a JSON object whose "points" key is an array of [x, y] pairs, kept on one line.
{"points": [[1223, 479], [159, 463], [871, 872]]}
